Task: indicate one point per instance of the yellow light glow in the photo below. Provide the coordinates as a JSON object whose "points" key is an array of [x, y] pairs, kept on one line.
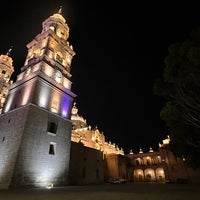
{"points": [[50, 54], [55, 98], [49, 185], [67, 83], [52, 28], [48, 70], [54, 110]]}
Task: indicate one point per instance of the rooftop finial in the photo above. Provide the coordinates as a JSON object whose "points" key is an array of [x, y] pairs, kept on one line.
{"points": [[8, 53], [60, 10], [150, 149]]}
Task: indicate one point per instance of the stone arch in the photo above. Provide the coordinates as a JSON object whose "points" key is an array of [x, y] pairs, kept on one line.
{"points": [[160, 174], [138, 161], [149, 175], [138, 175], [148, 160], [157, 159]]}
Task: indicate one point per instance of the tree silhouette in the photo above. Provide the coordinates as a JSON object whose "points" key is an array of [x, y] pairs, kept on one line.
{"points": [[180, 87]]}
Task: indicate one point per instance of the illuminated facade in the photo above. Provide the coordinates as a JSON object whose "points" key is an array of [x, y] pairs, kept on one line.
{"points": [[45, 142], [152, 166], [35, 122], [6, 70], [91, 137], [134, 167]]}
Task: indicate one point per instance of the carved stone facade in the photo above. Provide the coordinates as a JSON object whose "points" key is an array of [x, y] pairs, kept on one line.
{"points": [[45, 142], [35, 122], [6, 70], [91, 137], [159, 166], [152, 166]]}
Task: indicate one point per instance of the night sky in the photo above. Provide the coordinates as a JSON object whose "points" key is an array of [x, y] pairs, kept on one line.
{"points": [[120, 49]]}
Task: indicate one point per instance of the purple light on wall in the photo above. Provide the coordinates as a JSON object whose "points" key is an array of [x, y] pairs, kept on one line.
{"points": [[65, 107]]}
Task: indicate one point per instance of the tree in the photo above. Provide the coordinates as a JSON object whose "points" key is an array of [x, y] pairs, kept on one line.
{"points": [[180, 87]]}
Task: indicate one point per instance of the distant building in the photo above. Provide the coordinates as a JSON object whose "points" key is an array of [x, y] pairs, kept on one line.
{"points": [[152, 166], [45, 142], [91, 137]]}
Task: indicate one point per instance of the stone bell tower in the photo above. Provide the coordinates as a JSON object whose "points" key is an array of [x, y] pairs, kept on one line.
{"points": [[6, 70], [35, 133]]}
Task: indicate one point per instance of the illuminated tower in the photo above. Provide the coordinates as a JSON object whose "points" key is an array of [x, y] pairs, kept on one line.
{"points": [[35, 124], [6, 70]]}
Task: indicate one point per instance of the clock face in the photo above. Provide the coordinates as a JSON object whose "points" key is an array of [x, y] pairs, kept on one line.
{"points": [[58, 74]]}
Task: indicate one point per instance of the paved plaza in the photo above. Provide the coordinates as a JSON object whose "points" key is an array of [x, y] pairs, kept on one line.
{"points": [[127, 191]]}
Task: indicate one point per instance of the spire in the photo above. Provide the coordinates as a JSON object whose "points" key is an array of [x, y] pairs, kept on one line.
{"points": [[8, 53], [60, 10], [58, 15]]}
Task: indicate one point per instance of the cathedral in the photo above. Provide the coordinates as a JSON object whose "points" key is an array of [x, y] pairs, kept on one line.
{"points": [[43, 139]]}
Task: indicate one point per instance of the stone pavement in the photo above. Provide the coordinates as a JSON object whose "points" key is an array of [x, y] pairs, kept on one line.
{"points": [[129, 191]]}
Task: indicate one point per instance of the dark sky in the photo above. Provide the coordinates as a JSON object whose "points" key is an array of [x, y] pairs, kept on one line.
{"points": [[120, 48]]}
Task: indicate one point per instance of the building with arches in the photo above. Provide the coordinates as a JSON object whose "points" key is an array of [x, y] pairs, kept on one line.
{"points": [[152, 166], [43, 139]]}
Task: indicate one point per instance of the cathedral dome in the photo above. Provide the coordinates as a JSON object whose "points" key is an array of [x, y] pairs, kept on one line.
{"points": [[76, 118]]}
